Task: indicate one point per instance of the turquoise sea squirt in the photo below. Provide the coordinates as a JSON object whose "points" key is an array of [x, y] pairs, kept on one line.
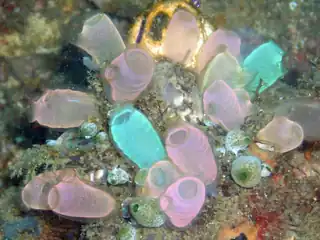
{"points": [[265, 63], [134, 135]]}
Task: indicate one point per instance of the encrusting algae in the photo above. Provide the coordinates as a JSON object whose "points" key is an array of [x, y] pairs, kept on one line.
{"points": [[40, 36]]}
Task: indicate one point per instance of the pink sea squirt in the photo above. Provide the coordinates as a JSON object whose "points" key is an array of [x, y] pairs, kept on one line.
{"points": [[282, 133], [35, 193], [76, 199], [218, 42], [222, 66], [189, 149], [100, 38], [183, 201], [64, 108], [226, 106], [160, 176], [183, 25], [64, 193], [128, 75]]}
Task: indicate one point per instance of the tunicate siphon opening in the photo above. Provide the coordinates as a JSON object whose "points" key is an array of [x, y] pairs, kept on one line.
{"points": [[188, 189], [212, 108], [46, 188], [122, 118], [94, 20], [185, 16], [53, 198], [111, 72], [178, 137], [158, 176], [221, 48], [66, 175], [139, 61]]}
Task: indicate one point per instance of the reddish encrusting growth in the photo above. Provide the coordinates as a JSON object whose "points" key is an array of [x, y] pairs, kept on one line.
{"points": [[7, 5], [3, 29], [270, 224], [265, 222], [279, 179], [309, 148]]}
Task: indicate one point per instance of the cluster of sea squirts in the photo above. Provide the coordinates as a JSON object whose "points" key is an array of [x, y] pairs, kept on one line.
{"points": [[175, 172]]}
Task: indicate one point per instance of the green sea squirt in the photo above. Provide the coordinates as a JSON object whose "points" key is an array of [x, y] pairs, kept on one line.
{"points": [[146, 212], [134, 135], [128, 232]]}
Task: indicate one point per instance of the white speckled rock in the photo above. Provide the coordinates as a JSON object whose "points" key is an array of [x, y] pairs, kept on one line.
{"points": [[118, 176]]}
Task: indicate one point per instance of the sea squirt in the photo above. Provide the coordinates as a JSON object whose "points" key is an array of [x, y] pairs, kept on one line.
{"points": [[100, 38], [183, 25], [183, 201], [64, 108], [134, 135], [128, 75], [282, 133], [219, 41], [79, 201], [160, 176], [189, 149], [226, 106]]}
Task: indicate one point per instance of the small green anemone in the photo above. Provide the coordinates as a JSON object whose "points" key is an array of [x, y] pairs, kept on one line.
{"points": [[246, 171], [146, 211]]}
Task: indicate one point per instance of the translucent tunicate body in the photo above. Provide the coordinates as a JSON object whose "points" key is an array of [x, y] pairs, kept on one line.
{"points": [[189, 149], [226, 106], [264, 63], [35, 193], [76, 199], [65, 194], [128, 75], [222, 66], [183, 201], [281, 133], [182, 37], [134, 135], [160, 176], [218, 42], [100, 38], [64, 108]]}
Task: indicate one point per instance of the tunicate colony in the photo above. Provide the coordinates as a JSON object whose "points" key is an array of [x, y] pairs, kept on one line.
{"points": [[176, 169]]}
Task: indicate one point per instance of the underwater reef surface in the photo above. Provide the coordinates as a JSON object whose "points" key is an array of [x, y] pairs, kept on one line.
{"points": [[205, 122]]}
